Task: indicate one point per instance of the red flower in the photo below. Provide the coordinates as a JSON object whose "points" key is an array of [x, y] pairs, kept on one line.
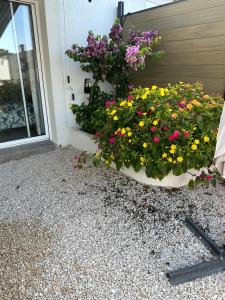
{"points": [[165, 128], [107, 104], [153, 129], [209, 177], [156, 139], [139, 113], [113, 102], [130, 98], [186, 133], [97, 134]]}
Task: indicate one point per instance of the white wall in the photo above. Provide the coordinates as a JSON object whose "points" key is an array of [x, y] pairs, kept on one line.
{"points": [[67, 22], [154, 3]]}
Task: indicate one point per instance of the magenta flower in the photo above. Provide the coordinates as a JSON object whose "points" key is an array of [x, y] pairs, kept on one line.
{"points": [[174, 136], [153, 129], [156, 139], [111, 141]]}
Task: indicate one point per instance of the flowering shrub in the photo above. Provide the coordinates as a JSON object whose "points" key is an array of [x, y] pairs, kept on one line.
{"points": [[110, 58], [161, 129]]}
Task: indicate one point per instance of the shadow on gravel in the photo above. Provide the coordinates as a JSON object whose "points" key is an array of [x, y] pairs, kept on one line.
{"points": [[23, 246]]}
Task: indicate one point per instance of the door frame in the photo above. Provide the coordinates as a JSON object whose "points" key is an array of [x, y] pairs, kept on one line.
{"points": [[41, 76]]}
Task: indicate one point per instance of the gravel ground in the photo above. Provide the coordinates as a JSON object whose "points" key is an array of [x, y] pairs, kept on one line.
{"points": [[95, 234]]}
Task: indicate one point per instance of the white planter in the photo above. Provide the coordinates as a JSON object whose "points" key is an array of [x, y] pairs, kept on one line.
{"points": [[170, 180], [84, 141]]}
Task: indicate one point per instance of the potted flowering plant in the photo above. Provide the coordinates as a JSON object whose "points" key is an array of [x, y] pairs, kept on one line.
{"points": [[163, 130], [110, 58]]}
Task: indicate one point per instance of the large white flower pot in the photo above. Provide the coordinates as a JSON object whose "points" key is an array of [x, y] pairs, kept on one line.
{"points": [[84, 141]]}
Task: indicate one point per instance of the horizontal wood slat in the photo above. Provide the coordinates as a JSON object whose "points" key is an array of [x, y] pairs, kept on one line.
{"points": [[193, 37]]}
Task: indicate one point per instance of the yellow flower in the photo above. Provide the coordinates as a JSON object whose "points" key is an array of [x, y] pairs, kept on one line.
{"points": [[107, 162], [196, 142], [113, 112], [172, 151], [174, 162], [152, 108], [196, 102], [129, 133], [189, 106], [154, 87], [144, 96], [174, 115], [128, 129], [130, 103], [98, 154], [156, 122], [194, 128], [115, 118], [206, 139], [129, 141], [170, 159], [142, 159], [144, 114], [205, 97], [112, 157], [162, 92], [164, 155], [123, 131], [173, 147], [180, 159], [170, 109], [145, 145], [194, 147], [141, 123], [123, 103]]}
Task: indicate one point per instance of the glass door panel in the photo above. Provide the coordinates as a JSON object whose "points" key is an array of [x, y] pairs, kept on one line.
{"points": [[12, 114], [21, 113]]}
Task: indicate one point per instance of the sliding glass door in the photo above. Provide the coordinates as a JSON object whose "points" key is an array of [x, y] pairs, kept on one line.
{"points": [[22, 117]]}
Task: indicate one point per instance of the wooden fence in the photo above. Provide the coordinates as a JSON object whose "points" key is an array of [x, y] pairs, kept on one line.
{"points": [[193, 37]]}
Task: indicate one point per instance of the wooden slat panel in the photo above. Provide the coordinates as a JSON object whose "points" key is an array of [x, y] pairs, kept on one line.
{"points": [[205, 71], [194, 32], [202, 45], [203, 16], [188, 59], [174, 9]]}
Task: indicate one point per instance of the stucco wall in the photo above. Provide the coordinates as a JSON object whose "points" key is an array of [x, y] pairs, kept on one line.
{"points": [[67, 22]]}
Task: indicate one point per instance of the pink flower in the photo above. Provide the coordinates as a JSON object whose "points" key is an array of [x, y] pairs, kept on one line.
{"points": [[130, 86], [186, 133], [153, 129], [139, 113], [111, 141], [209, 177], [113, 102], [130, 98], [156, 139], [97, 134]]}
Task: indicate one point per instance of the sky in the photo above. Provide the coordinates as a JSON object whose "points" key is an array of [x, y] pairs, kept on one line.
{"points": [[23, 31]]}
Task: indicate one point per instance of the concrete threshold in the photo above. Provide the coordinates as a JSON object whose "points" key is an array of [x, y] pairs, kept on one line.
{"points": [[18, 152]]}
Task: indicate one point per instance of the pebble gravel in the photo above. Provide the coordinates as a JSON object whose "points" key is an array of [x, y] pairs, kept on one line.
{"points": [[95, 234]]}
